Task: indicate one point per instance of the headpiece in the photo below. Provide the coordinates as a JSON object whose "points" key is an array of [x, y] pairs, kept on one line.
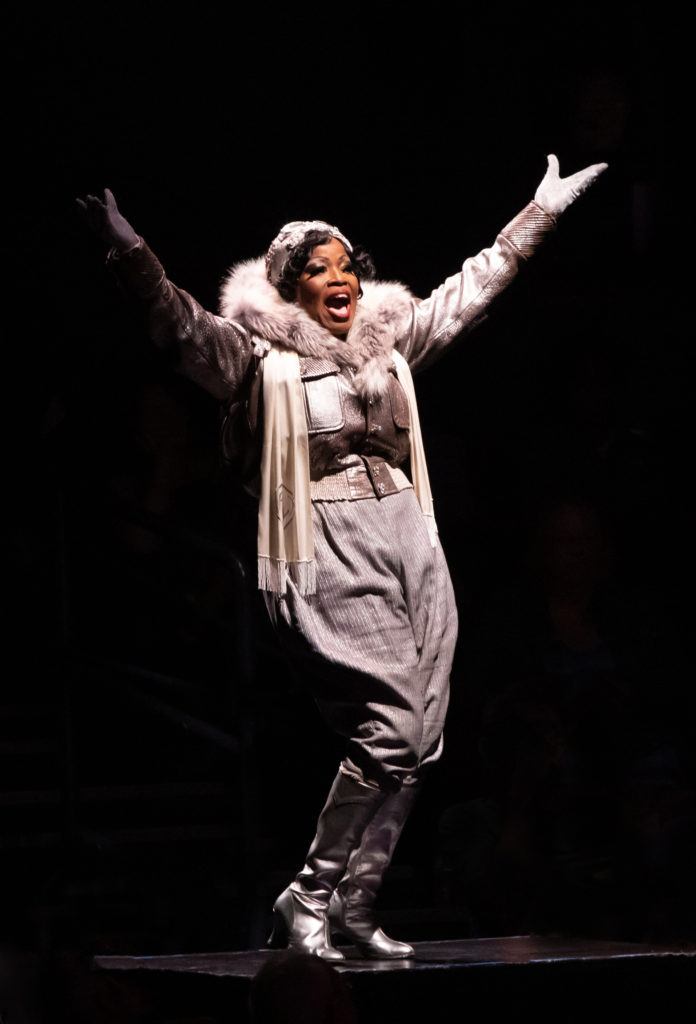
{"points": [[289, 237]]}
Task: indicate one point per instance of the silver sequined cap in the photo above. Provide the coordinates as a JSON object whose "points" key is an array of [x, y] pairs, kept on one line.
{"points": [[289, 237]]}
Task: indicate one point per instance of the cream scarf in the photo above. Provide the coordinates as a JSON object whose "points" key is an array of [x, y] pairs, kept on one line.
{"points": [[285, 535]]}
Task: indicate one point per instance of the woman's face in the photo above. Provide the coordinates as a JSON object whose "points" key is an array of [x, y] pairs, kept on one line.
{"points": [[328, 288]]}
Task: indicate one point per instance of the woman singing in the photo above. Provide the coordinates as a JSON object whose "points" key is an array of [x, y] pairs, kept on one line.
{"points": [[315, 359]]}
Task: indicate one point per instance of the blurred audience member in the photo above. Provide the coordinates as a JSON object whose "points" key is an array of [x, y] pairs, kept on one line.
{"points": [[296, 988]]}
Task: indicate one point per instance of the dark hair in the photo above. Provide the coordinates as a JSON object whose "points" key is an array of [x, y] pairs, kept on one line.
{"points": [[287, 284]]}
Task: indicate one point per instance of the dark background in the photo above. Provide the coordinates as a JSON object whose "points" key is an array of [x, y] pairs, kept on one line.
{"points": [[420, 135]]}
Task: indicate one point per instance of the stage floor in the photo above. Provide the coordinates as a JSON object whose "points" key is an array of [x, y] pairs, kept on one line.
{"points": [[450, 955], [559, 980]]}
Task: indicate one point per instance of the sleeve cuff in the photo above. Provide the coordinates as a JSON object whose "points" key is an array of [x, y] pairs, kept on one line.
{"points": [[528, 229]]}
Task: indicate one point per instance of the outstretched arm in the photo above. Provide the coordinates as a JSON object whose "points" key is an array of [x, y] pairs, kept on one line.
{"points": [[461, 302], [212, 351]]}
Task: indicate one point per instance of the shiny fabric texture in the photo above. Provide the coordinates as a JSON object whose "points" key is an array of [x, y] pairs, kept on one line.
{"points": [[382, 661], [374, 647], [351, 910], [340, 422], [224, 354], [368, 478], [289, 237], [301, 911], [524, 230], [285, 544]]}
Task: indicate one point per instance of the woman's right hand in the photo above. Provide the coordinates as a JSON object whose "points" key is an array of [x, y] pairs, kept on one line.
{"points": [[104, 219]]}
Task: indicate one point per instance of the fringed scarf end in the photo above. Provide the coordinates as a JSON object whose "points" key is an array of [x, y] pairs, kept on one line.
{"points": [[273, 575]]}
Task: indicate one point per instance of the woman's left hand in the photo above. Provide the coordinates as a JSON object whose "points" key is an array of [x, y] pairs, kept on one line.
{"points": [[555, 194]]}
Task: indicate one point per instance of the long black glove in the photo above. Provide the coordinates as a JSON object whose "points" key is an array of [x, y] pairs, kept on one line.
{"points": [[104, 219]]}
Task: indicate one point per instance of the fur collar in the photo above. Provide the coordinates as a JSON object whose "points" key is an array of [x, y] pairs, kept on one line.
{"points": [[383, 313]]}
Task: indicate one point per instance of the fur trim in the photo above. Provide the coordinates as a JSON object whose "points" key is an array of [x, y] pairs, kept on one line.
{"points": [[383, 314]]}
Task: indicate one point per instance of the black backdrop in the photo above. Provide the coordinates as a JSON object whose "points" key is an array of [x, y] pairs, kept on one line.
{"points": [[420, 134]]}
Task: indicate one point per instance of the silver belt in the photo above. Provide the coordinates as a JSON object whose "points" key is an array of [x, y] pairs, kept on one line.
{"points": [[372, 478]]}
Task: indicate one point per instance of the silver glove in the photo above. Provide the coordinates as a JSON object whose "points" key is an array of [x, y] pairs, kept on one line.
{"points": [[555, 194]]}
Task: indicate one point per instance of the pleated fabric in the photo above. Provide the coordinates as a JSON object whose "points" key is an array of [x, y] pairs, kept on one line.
{"points": [[374, 645]]}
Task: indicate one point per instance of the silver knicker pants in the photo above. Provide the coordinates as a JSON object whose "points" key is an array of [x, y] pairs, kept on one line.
{"points": [[374, 645]]}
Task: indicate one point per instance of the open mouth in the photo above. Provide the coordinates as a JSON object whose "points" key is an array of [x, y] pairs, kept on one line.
{"points": [[338, 306]]}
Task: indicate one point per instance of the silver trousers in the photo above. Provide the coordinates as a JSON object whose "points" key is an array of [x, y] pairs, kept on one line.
{"points": [[374, 646]]}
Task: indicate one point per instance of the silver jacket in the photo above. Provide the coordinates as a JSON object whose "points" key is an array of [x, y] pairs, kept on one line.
{"points": [[354, 403]]}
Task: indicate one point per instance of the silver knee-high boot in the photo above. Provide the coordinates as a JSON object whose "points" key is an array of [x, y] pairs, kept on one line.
{"points": [[351, 911], [300, 914]]}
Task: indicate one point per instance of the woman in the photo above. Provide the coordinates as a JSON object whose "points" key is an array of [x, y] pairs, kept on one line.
{"points": [[314, 360]]}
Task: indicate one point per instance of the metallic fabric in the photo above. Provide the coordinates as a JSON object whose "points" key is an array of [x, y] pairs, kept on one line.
{"points": [[340, 422], [528, 227], [289, 237], [369, 479], [226, 358], [374, 646], [301, 911], [213, 352], [351, 910], [462, 301]]}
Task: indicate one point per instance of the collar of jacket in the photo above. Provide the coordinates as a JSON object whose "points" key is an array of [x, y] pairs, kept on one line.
{"points": [[383, 315]]}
